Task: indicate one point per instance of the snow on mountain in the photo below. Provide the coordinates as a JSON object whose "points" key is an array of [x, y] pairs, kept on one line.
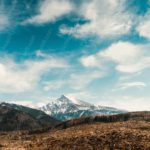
{"points": [[64, 108]]}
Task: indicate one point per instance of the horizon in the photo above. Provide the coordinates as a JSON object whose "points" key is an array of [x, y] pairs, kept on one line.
{"points": [[92, 50]]}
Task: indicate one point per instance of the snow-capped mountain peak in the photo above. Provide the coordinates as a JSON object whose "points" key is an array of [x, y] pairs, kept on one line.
{"points": [[62, 104], [64, 99], [67, 102], [65, 108]]}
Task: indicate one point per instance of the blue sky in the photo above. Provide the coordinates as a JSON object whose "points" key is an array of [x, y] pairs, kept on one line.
{"points": [[93, 50]]}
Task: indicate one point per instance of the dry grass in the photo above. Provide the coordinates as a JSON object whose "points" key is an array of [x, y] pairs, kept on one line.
{"points": [[130, 135]]}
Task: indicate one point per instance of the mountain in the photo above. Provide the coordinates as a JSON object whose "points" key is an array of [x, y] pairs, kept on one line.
{"points": [[64, 108], [17, 117]]}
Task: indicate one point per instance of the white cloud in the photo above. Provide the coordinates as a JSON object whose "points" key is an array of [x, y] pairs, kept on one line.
{"points": [[121, 52], [143, 29], [54, 85], [4, 20], [50, 10], [28, 103], [75, 81], [127, 57], [144, 26], [90, 61], [39, 53], [24, 103], [20, 77], [104, 19], [130, 103], [82, 95], [79, 81], [128, 85]]}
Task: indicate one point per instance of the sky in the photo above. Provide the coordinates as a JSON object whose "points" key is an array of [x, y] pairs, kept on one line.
{"points": [[94, 50]]}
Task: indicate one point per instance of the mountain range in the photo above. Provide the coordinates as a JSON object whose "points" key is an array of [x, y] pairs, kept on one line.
{"points": [[18, 117], [64, 108]]}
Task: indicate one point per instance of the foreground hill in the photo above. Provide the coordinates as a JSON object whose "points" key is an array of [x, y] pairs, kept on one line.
{"points": [[65, 108], [131, 134], [17, 117]]}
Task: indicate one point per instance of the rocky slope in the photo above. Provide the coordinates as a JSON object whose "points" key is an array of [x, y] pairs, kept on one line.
{"points": [[64, 108]]}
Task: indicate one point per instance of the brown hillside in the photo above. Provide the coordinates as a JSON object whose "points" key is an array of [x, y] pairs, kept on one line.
{"points": [[132, 134]]}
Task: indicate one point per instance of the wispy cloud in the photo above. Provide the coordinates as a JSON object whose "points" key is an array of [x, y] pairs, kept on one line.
{"points": [[129, 85], [82, 95], [54, 85], [4, 18], [50, 10], [4, 22], [80, 81], [75, 81], [23, 76]]}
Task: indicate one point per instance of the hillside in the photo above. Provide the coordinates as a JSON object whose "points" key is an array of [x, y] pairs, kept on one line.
{"points": [[133, 133], [17, 117]]}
